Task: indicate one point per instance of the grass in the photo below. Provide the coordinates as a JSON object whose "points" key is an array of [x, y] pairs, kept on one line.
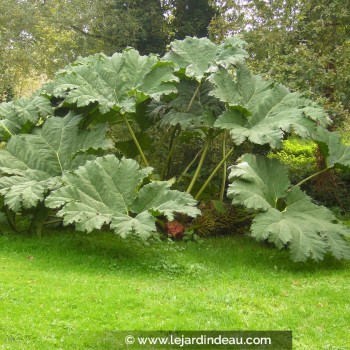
{"points": [[71, 291]]}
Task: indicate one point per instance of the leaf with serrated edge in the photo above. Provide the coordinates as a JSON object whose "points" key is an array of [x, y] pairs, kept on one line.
{"points": [[158, 197], [198, 57], [309, 230], [114, 83], [32, 164], [141, 225], [107, 191], [19, 192], [22, 115], [257, 182], [261, 111]]}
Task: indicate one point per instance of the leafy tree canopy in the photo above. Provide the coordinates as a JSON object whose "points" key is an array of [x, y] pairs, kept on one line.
{"points": [[303, 44], [190, 17]]}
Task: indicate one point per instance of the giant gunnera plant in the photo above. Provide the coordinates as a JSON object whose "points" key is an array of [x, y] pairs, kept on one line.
{"points": [[82, 149]]}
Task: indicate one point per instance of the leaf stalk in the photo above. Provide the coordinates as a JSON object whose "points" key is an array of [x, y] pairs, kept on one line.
{"points": [[175, 133], [189, 166], [200, 164], [223, 160], [131, 131], [193, 98], [313, 176], [224, 168], [166, 167]]}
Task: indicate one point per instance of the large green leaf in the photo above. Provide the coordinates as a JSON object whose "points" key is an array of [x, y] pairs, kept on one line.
{"points": [[198, 57], [309, 230], [287, 217], [107, 191], [114, 83], [22, 114], [333, 149], [226, 88], [32, 164], [258, 182], [262, 111], [158, 198]]}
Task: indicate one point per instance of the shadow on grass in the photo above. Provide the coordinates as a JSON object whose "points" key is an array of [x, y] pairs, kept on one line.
{"points": [[105, 252]]}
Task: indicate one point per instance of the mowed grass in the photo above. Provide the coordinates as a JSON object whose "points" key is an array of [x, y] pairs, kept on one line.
{"points": [[72, 291]]}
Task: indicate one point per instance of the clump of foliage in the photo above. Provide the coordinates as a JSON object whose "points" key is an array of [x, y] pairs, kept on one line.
{"points": [[63, 162], [299, 155]]}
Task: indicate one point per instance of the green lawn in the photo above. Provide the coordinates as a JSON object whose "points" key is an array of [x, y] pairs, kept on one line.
{"points": [[71, 291]]}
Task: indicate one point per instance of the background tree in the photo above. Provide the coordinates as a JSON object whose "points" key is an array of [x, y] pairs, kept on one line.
{"points": [[190, 17], [39, 37], [304, 44], [114, 24], [16, 46]]}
